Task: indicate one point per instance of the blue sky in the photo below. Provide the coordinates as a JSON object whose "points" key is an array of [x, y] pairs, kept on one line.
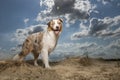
{"points": [[90, 26]]}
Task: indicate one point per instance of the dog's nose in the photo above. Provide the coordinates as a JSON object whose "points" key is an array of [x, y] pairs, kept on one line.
{"points": [[57, 27]]}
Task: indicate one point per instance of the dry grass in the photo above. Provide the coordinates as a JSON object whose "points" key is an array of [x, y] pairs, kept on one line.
{"points": [[85, 61], [13, 70], [69, 69], [118, 64]]}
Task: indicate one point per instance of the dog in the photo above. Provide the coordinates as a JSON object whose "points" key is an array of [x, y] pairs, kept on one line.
{"points": [[42, 42]]}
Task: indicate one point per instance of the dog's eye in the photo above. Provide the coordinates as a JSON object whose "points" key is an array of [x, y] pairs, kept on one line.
{"points": [[59, 22]]}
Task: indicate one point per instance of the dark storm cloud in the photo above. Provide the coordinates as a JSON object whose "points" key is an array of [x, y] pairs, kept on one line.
{"points": [[63, 7], [30, 30], [71, 10], [35, 29], [107, 27], [97, 25]]}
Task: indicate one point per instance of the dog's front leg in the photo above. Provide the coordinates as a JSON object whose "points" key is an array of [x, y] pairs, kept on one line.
{"points": [[44, 54]]}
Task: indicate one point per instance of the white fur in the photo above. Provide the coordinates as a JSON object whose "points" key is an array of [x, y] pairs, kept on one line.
{"points": [[56, 24], [49, 43]]}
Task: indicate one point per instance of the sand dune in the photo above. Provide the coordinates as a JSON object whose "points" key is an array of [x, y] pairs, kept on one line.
{"points": [[68, 69]]}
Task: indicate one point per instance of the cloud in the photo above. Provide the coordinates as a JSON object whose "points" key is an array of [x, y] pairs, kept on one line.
{"points": [[75, 49], [26, 20], [114, 45], [21, 34], [107, 27], [106, 2], [76, 8], [5, 54], [93, 49], [110, 3], [118, 4], [112, 50], [70, 10]]}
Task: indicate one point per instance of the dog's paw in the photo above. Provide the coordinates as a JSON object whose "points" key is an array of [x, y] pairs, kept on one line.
{"points": [[35, 64], [47, 67]]}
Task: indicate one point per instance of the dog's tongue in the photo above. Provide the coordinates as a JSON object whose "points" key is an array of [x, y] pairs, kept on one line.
{"points": [[56, 32]]}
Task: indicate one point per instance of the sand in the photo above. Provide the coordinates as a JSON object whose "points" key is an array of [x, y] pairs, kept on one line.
{"points": [[68, 69]]}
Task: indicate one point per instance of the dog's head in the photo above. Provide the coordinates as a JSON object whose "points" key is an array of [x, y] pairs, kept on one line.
{"points": [[55, 25]]}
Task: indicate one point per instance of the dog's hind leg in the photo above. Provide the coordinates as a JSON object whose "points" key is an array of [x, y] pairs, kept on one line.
{"points": [[36, 55]]}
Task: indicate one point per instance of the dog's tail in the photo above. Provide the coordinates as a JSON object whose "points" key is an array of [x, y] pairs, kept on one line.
{"points": [[18, 57]]}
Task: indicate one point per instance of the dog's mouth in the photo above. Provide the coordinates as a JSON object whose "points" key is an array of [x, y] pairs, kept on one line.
{"points": [[57, 31]]}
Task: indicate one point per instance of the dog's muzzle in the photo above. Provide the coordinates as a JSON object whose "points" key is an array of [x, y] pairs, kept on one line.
{"points": [[57, 31]]}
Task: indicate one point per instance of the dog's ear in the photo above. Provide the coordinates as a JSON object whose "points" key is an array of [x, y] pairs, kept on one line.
{"points": [[48, 23], [61, 20], [49, 28]]}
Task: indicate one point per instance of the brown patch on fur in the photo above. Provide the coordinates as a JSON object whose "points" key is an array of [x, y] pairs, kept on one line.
{"points": [[32, 44], [49, 28], [50, 24], [61, 20], [60, 23], [37, 44]]}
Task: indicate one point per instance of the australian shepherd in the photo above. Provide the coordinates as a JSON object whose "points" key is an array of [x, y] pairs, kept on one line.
{"points": [[41, 42]]}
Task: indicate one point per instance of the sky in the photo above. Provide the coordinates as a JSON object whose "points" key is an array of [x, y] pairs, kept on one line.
{"points": [[89, 26]]}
